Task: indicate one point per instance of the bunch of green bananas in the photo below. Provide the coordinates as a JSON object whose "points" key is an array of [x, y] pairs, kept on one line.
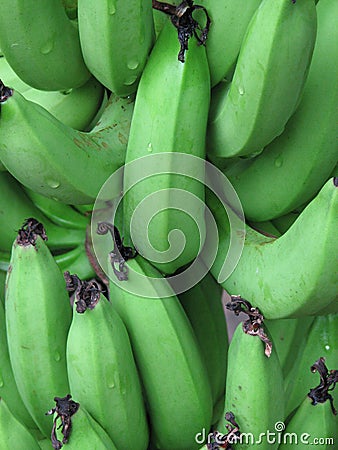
{"points": [[153, 156]]}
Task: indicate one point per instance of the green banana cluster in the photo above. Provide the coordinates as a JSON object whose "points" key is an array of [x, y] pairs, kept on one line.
{"points": [[157, 159]]}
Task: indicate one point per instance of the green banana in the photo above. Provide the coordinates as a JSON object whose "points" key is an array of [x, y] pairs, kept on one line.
{"points": [[74, 107], [161, 129], [268, 80], [15, 207], [38, 316], [203, 306], [310, 423], [13, 434], [229, 21], [57, 161], [84, 433], [315, 421], [254, 390], [291, 170], [322, 340], [292, 275], [103, 376], [116, 38], [59, 213], [288, 336], [76, 261], [170, 363], [44, 52], [8, 390]]}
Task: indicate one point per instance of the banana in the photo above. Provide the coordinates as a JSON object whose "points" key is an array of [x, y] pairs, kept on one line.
{"points": [[229, 21], [76, 428], [288, 336], [283, 223], [103, 377], [322, 340], [116, 38], [203, 306], [38, 316], [315, 421], [15, 207], [292, 168], [268, 80], [74, 107], [289, 276], [57, 161], [59, 213], [44, 52], [170, 363], [160, 129], [8, 390], [254, 390], [13, 434], [76, 261]]}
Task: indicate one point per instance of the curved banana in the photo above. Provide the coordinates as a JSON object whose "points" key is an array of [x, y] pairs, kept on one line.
{"points": [[254, 389], [203, 306], [59, 213], [174, 124], [116, 38], [291, 170], [104, 378], [292, 275], [44, 52], [15, 207], [57, 161], [84, 433], [268, 80], [13, 434], [8, 390], [322, 340], [74, 107], [38, 316], [229, 21], [168, 357], [315, 421]]}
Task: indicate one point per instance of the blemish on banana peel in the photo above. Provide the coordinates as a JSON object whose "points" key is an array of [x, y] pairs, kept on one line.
{"points": [[65, 408], [29, 232], [328, 381], [220, 440], [254, 324], [181, 17]]}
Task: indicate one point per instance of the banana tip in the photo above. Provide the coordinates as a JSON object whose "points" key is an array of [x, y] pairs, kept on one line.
{"points": [[5, 92]]}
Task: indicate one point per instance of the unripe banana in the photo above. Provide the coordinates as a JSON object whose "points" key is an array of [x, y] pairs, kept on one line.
{"points": [[74, 107], [13, 434], [59, 213], [174, 124], [103, 376], [254, 389], [322, 340], [292, 275], [315, 420], [291, 170], [309, 423], [57, 161], [229, 21], [171, 367], [8, 390], [45, 52], [203, 306], [38, 317], [116, 38], [84, 433], [268, 80], [15, 207]]}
